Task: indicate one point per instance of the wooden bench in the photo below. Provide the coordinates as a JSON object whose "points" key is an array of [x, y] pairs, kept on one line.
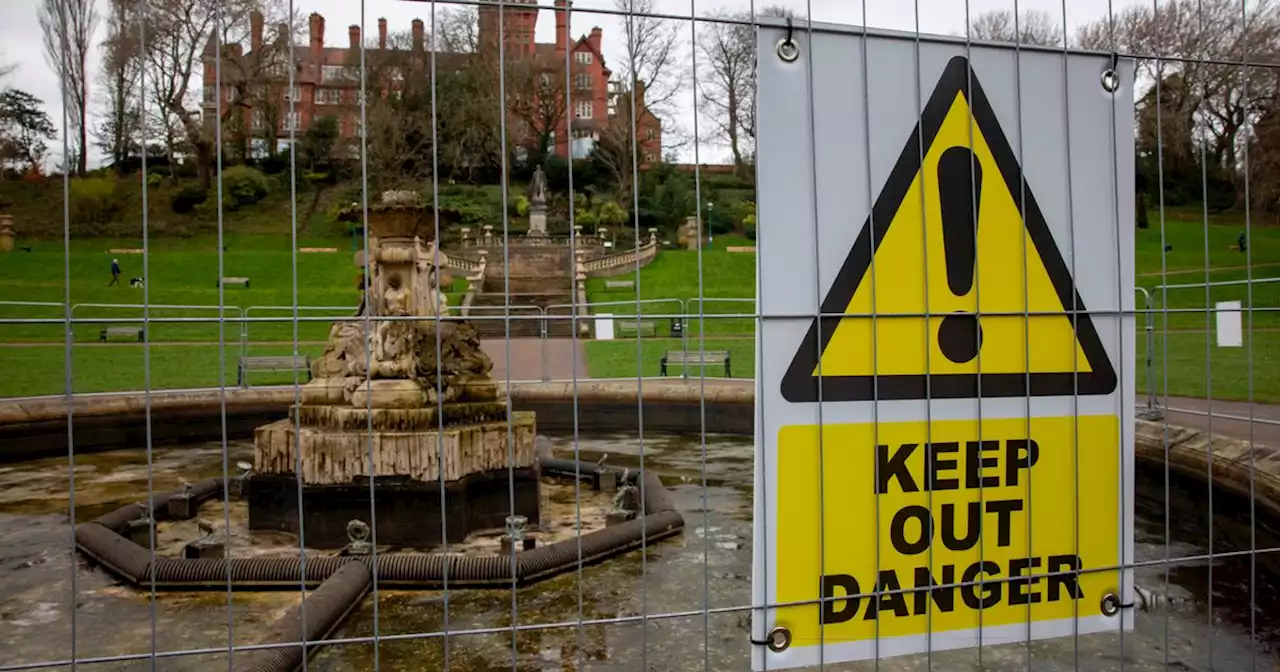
{"points": [[696, 358], [619, 284], [226, 282], [638, 327], [275, 363], [126, 332]]}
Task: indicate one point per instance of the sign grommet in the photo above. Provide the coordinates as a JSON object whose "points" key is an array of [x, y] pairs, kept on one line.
{"points": [[779, 639], [788, 50]]}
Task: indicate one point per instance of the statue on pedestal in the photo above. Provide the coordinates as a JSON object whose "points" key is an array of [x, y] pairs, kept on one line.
{"points": [[538, 187], [538, 203]]}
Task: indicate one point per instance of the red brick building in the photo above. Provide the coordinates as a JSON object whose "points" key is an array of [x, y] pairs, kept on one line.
{"points": [[326, 84]]}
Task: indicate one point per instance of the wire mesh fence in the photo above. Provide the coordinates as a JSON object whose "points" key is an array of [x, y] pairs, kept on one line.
{"points": [[869, 335]]}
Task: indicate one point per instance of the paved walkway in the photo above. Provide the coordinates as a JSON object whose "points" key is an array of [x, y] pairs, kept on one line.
{"points": [[1225, 418], [535, 359]]}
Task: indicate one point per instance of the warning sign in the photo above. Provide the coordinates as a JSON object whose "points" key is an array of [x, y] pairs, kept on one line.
{"points": [[991, 511], [944, 407], [956, 236]]}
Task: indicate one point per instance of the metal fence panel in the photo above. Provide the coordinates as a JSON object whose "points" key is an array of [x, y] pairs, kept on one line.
{"points": [[611, 451]]}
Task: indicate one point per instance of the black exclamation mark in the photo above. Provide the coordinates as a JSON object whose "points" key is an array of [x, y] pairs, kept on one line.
{"points": [[959, 195]]}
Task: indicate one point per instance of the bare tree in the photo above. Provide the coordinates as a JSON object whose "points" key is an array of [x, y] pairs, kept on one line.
{"points": [[180, 34], [535, 96], [68, 27], [651, 55], [618, 149], [726, 82], [117, 135], [1028, 27], [1191, 48]]}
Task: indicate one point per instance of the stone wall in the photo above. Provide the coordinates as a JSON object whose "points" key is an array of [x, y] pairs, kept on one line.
{"points": [[32, 428]]}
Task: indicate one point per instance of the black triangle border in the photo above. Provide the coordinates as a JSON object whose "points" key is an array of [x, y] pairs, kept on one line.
{"points": [[799, 385]]}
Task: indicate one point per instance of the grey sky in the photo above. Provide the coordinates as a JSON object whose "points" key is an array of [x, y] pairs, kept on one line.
{"points": [[20, 39]]}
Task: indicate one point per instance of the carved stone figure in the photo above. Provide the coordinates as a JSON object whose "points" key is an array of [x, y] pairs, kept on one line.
{"points": [[538, 187], [427, 279], [385, 361], [394, 339]]}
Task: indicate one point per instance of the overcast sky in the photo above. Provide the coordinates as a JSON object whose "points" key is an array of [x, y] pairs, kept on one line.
{"points": [[20, 40]]}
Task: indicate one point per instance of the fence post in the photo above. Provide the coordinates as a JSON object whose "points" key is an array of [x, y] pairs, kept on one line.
{"points": [[1151, 346], [244, 335], [543, 353]]}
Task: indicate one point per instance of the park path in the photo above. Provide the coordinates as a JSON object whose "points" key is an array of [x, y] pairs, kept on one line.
{"points": [[1224, 418], [1212, 269], [535, 359]]}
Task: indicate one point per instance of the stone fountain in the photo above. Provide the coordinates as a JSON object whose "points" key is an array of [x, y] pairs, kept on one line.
{"points": [[401, 403]]}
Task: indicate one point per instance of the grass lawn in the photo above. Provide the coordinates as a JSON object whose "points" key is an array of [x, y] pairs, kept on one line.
{"points": [[105, 368], [1227, 368], [716, 283], [183, 273], [618, 359], [728, 285]]}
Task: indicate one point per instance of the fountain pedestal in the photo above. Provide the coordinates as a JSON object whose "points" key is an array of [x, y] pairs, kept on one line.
{"points": [[401, 426]]}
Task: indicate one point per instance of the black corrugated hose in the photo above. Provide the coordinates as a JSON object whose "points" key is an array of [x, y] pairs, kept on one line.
{"points": [[341, 582]]}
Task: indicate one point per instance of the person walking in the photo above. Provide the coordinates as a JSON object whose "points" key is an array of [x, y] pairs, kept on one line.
{"points": [[115, 273]]}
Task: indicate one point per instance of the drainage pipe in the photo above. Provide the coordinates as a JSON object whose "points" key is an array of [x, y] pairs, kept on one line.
{"points": [[101, 541], [325, 608]]}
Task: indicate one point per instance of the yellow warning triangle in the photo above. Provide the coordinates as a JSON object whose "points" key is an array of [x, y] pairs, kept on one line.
{"points": [[957, 236]]}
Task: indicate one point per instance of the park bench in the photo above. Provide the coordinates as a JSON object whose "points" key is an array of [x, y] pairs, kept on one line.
{"points": [[226, 282], [273, 363], [696, 358], [619, 284], [123, 332], [638, 327]]}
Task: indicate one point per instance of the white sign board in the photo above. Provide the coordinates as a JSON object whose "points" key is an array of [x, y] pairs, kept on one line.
{"points": [[945, 457], [604, 326], [1230, 333]]}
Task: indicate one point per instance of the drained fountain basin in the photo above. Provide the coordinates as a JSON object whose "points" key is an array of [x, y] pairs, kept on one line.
{"points": [[710, 565]]}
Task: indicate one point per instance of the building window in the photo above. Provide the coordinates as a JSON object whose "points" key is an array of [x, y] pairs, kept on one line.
{"points": [[293, 121], [582, 81], [328, 96], [584, 109], [259, 120], [650, 134], [293, 93], [208, 93], [648, 157], [583, 57], [337, 73], [276, 69]]}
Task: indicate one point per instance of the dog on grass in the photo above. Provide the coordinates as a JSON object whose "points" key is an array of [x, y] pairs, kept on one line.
{"points": [[136, 282]]}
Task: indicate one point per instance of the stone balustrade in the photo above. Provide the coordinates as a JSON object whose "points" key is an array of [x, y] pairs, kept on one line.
{"points": [[475, 281], [464, 264], [622, 262]]}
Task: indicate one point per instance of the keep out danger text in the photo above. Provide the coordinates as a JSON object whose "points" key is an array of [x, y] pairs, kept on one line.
{"points": [[896, 529]]}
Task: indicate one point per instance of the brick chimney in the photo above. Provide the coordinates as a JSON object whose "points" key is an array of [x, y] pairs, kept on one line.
{"points": [[382, 33], [594, 38], [562, 25], [255, 30], [317, 31], [419, 33], [317, 44], [354, 33]]}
